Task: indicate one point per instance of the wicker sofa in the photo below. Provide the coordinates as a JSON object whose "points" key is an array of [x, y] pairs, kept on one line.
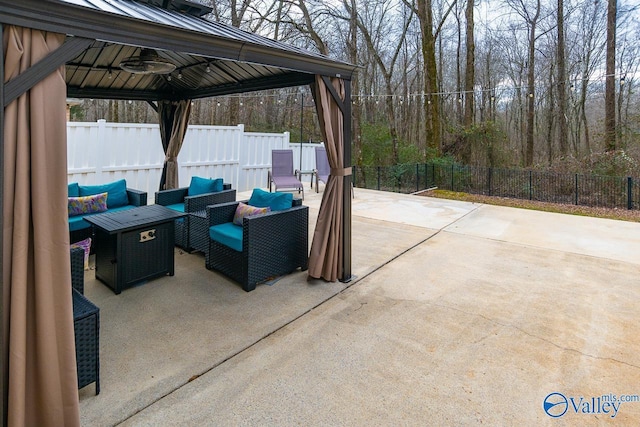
{"points": [[124, 198], [179, 199], [272, 243], [86, 326]]}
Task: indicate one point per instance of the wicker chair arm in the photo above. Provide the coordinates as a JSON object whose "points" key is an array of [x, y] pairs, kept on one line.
{"points": [[221, 213], [277, 234], [171, 197], [137, 197], [201, 201], [77, 269]]}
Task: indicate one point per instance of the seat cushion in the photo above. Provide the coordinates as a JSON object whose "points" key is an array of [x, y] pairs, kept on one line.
{"points": [[275, 201], [200, 185], [78, 223], [227, 234], [117, 192], [176, 207]]}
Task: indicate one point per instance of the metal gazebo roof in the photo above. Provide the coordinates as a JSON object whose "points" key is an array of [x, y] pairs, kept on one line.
{"points": [[211, 58]]}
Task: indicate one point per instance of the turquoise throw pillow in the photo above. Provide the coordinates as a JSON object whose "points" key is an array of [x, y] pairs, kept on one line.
{"points": [[73, 190], [117, 192], [276, 201], [204, 185]]}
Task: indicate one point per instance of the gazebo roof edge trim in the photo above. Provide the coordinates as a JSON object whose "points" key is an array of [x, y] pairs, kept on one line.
{"points": [[81, 21]]}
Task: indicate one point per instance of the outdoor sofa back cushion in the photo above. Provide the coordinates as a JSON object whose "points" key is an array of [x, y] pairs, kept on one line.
{"points": [[201, 185], [275, 201], [73, 189], [117, 192]]}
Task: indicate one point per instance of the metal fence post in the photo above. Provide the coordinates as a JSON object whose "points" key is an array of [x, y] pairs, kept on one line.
{"points": [[629, 193], [489, 181], [576, 185], [530, 185], [452, 184], [417, 177], [378, 178]]}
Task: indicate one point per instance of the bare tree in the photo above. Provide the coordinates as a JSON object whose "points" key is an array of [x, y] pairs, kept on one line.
{"points": [[610, 80], [469, 79], [562, 82]]}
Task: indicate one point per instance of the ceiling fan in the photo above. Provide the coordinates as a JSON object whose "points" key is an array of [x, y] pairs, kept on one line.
{"points": [[148, 62]]}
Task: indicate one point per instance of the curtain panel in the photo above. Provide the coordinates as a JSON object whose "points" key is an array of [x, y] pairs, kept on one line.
{"points": [[38, 337], [174, 119], [327, 245]]}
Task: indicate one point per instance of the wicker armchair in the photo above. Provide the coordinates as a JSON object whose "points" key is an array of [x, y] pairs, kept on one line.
{"points": [[86, 326], [178, 199], [273, 244]]}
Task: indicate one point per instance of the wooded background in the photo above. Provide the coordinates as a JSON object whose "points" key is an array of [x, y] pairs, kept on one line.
{"points": [[539, 84]]}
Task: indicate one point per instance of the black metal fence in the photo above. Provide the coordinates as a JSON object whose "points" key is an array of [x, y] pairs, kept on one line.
{"points": [[585, 190]]}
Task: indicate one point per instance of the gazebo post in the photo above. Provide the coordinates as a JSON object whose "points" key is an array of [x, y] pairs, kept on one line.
{"points": [[347, 183], [3, 352]]}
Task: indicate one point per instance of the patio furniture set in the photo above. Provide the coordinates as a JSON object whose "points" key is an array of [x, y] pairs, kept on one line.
{"points": [[250, 241]]}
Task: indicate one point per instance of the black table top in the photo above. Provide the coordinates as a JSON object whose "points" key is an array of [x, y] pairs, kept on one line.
{"points": [[145, 216]]}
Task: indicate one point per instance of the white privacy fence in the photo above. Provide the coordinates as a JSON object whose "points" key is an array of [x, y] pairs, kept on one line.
{"points": [[103, 152]]}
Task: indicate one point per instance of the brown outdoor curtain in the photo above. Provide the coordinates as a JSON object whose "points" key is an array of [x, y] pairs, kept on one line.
{"points": [[326, 247], [38, 338], [174, 118]]}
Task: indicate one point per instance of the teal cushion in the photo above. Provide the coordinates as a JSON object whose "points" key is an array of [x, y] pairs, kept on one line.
{"points": [[176, 207], [276, 201], [228, 234], [204, 185], [73, 189], [78, 223], [117, 192]]}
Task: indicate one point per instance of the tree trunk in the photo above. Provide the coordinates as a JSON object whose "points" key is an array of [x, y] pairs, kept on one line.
{"points": [[469, 78], [610, 87], [562, 88], [432, 98], [531, 81], [356, 109]]}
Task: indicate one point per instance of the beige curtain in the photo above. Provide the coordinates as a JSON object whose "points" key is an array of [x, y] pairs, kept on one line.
{"points": [[174, 118], [326, 247], [38, 337]]}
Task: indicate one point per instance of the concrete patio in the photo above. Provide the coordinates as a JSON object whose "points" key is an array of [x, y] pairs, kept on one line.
{"points": [[460, 314]]}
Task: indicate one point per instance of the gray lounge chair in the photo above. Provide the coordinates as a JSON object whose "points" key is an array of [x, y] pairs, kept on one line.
{"points": [[282, 174], [322, 169]]}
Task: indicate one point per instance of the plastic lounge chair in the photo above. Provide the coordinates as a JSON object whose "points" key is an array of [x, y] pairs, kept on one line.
{"points": [[322, 169], [282, 174]]}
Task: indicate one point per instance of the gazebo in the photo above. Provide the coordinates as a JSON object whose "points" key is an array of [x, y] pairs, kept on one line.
{"points": [[159, 51]]}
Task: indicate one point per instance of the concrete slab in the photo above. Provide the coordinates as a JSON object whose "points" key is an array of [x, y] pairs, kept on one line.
{"points": [[460, 315]]}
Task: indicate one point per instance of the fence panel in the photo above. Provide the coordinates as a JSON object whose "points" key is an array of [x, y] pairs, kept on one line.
{"points": [[102, 152], [586, 190], [210, 152]]}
